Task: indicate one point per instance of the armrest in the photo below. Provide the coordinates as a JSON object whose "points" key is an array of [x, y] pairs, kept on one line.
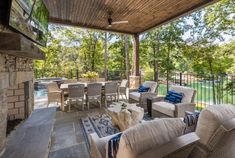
{"points": [[133, 90], [98, 145], [59, 91], [157, 98], [94, 151], [149, 94], [180, 108], [229, 124], [177, 144]]}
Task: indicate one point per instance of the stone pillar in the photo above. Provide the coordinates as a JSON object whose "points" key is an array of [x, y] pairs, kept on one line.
{"points": [[3, 119], [135, 78], [135, 67]]}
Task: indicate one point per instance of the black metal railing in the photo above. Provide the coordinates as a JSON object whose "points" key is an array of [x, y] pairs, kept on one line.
{"points": [[211, 89], [75, 74]]}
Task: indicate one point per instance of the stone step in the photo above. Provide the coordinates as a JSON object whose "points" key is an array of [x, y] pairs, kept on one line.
{"points": [[32, 138]]}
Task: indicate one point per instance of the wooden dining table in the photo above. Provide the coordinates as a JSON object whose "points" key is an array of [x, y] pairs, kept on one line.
{"points": [[65, 86]]}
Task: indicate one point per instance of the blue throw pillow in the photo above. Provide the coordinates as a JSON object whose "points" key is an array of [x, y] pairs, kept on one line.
{"points": [[143, 89], [174, 97]]}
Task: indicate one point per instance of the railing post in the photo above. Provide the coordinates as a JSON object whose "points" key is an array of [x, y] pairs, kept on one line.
{"points": [[71, 74], [180, 78], [77, 74]]}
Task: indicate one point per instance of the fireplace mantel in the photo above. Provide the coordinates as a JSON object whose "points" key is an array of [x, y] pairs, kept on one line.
{"points": [[17, 45]]}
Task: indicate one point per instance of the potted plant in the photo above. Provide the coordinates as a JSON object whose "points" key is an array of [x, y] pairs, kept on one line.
{"points": [[91, 76]]}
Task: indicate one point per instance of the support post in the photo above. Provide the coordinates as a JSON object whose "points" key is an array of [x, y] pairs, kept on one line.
{"points": [[135, 78], [127, 58], [136, 43]]}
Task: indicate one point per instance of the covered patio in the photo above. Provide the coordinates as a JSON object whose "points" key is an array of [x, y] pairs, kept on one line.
{"points": [[61, 127]]}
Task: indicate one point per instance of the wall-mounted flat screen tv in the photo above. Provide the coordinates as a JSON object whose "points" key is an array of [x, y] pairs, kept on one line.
{"points": [[30, 17]]}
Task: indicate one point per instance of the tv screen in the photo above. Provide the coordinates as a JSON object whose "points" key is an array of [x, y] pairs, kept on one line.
{"points": [[30, 17]]}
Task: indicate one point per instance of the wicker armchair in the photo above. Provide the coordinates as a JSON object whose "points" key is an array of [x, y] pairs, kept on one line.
{"points": [[216, 130], [110, 91], [122, 89], [160, 108], [76, 93], [159, 138], [94, 93], [54, 93], [141, 97]]}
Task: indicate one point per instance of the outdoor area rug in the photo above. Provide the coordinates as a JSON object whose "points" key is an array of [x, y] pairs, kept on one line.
{"points": [[100, 124]]}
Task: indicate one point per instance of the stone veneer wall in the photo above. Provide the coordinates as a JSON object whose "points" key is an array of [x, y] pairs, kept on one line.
{"points": [[13, 71]]}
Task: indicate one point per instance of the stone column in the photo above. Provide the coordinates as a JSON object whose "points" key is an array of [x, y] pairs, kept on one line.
{"points": [[135, 77], [3, 119]]}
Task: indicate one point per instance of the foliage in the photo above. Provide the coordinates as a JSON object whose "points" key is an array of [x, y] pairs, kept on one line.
{"points": [[90, 75]]}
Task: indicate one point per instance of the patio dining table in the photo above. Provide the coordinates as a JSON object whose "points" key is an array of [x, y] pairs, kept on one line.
{"points": [[64, 87]]}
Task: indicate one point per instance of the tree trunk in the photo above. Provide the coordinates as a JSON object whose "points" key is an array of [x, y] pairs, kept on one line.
{"points": [[167, 70], [213, 82], [105, 56], [156, 51]]}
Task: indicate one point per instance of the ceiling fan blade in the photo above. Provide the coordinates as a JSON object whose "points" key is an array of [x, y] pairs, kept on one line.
{"points": [[120, 22]]}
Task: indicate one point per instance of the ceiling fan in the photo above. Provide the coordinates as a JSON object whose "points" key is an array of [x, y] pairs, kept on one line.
{"points": [[111, 22]]}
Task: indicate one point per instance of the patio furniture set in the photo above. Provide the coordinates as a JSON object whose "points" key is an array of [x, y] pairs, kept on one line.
{"points": [[167, 135], [85, 92]]}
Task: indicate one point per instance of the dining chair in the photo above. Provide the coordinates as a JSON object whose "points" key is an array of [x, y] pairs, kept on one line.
{"points": [[54, 93], [94, 93], [122, 89], [76, 92], [110, 91]]}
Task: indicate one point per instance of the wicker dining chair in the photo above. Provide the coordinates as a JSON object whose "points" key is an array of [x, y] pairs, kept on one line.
{"points": [[76, 92], [54, 93], [110, 91], [122, 89], [94, 93]]}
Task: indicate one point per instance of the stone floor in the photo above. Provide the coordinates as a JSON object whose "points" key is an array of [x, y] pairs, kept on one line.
{"points": [[68, 139]]}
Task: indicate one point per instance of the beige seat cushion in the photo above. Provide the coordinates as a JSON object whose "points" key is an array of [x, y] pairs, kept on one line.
{"points": [[164, 107], [144, 136], [210, 120], [135, 96], [188, 93]]}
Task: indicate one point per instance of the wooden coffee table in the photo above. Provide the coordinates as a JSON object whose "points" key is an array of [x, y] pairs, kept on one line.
{"points": [[125, 117]]}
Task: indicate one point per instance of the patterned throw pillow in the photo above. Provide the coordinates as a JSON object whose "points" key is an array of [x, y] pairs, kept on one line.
{"points": [[174, 97], [191, 119], [143, 89], [113, 145]]}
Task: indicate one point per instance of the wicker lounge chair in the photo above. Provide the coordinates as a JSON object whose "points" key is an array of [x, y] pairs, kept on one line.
{"points": [[161, 108], [141, 97]]}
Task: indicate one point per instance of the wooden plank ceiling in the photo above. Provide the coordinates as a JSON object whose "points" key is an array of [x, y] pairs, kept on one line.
{"points": [[141, 15]]}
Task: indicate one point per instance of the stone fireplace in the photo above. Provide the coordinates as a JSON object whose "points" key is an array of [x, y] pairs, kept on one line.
{"points": [[16, 91]]}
